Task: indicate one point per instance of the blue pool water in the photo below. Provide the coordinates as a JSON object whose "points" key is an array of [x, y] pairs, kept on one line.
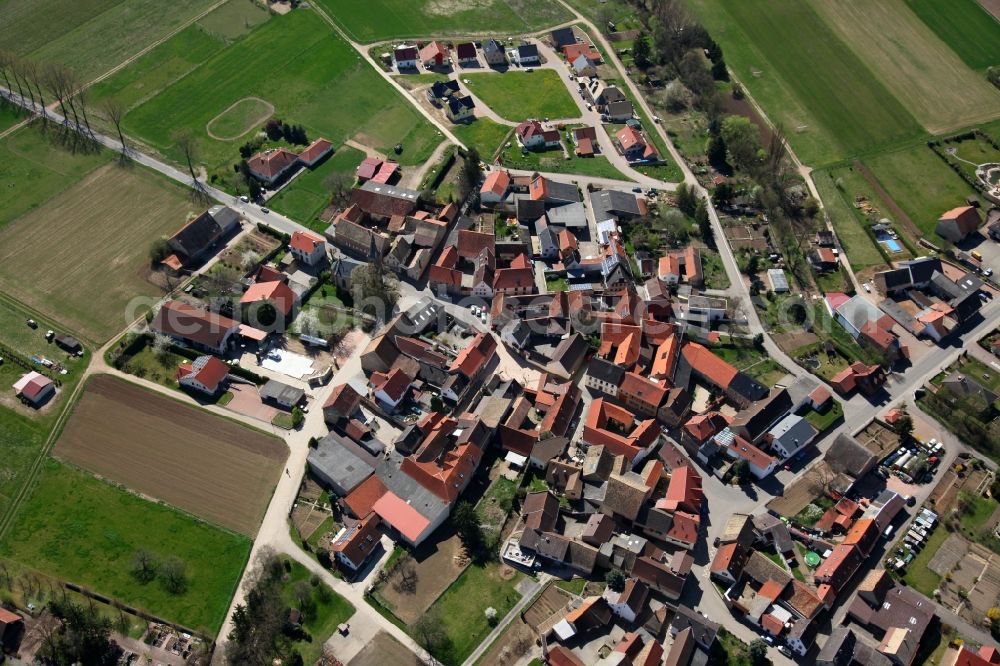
{"points": [[893, 245]]}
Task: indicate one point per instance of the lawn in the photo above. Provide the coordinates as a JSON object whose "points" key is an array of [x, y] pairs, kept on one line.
{"points": [[822, 422], [918, 575], [461, 609], [806, 78], [520, 95], [90, 36], [9, 116], [574, 586], [847, 223], [667, 171], [921, 184], [91, 541], [767, 372], [100, 230], [309, 75], [917, 66], [307, 195], [374, 20], [329, 610], [33, 170], [713, 271], [965, 26], [553, 161]]}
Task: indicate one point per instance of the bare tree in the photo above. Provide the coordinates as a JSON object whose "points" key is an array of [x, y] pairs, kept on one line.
{"points": [[6, 60], [82, 99], [33, 74], [185, 141], [116, 111], [56, 84], [20, 71]]}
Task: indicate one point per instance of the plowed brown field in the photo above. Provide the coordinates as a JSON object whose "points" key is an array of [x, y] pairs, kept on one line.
{"points": [[208, 466]]}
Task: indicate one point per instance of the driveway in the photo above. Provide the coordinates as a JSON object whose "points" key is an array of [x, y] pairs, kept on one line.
{"points": [[246, 401]]}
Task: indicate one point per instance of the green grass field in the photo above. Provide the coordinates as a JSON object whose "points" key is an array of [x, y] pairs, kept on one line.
{"points": [[484, 135], [80, 529], [33, 171], [519, 95], [965, 26], [462, 606], [305, 197], [236, 121], [915, 65], [553, 161], [159, 68], [9, 116], [806, 78], [234, 19], [921, 184], [310, 76], [619, 11], [104, 218], [90, 36], [374, 20], [329, 610], [860, 248], [23, 430]]}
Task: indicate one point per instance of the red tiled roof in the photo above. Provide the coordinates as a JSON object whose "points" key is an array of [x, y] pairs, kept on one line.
{"points": [[315, 150], [819, 395], [279, 293], [643, 390], [497, 183], [708, 365], [393, 384], [402, 517], [741, 448], [343, 398], [369, 167], [771, 589], [684, 528], [471, 243], [385, 172], [514, 278], [684, 490], [628, 137], [574, 51], [771, 624], [665, 359], [703, 426], [304, 241], [191, 323], [273, 162], [473, 357], [209, 375], [361, 500], [724, 557]]}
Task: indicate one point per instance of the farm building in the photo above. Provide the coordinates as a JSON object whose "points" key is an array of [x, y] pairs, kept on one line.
{"points": [[196, 239], [958, 223], [282, 395], [340, 464], [11, 630], [69, 344], [34, 388]]}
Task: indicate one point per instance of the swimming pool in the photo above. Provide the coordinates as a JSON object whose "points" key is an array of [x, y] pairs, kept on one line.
{"points": [[892, 244]]}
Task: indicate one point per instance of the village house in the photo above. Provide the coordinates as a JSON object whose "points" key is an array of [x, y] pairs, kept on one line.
{"points": [[356, 544], [308, 248], [957, 224], [466, 55], [585, 140], [195, 327], [634, 146], [406, 57], [494, 53], [525, 55], [459, 108], [434, 55], [532, 136], [205, 374], [271, 166]]}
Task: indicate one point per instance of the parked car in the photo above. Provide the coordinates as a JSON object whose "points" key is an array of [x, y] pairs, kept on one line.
{"points": [[783, 649], [244, 198]]}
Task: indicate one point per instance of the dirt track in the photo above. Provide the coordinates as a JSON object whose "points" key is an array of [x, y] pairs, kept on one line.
{"points": [[215, 469]]}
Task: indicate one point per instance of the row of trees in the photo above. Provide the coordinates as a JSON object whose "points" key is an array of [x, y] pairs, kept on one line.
{"points": [[42, 85]]}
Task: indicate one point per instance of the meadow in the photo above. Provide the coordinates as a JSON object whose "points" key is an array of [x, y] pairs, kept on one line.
{"points": [[90, 36], [520, 95], [309, 75], [921, 184], [375, 20], [210, 467], [858, 245], [92, 238], [9, 116], [483, 134], [553, 161], [23, 430], [33, 170], [78, 528], [806, 78], [921, 70], [306, 196], [965, 26]]}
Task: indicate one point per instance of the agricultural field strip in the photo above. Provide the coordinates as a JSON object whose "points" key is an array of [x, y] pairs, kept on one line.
{"points": [[806, 78], [921, 70], [205, 465]]}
